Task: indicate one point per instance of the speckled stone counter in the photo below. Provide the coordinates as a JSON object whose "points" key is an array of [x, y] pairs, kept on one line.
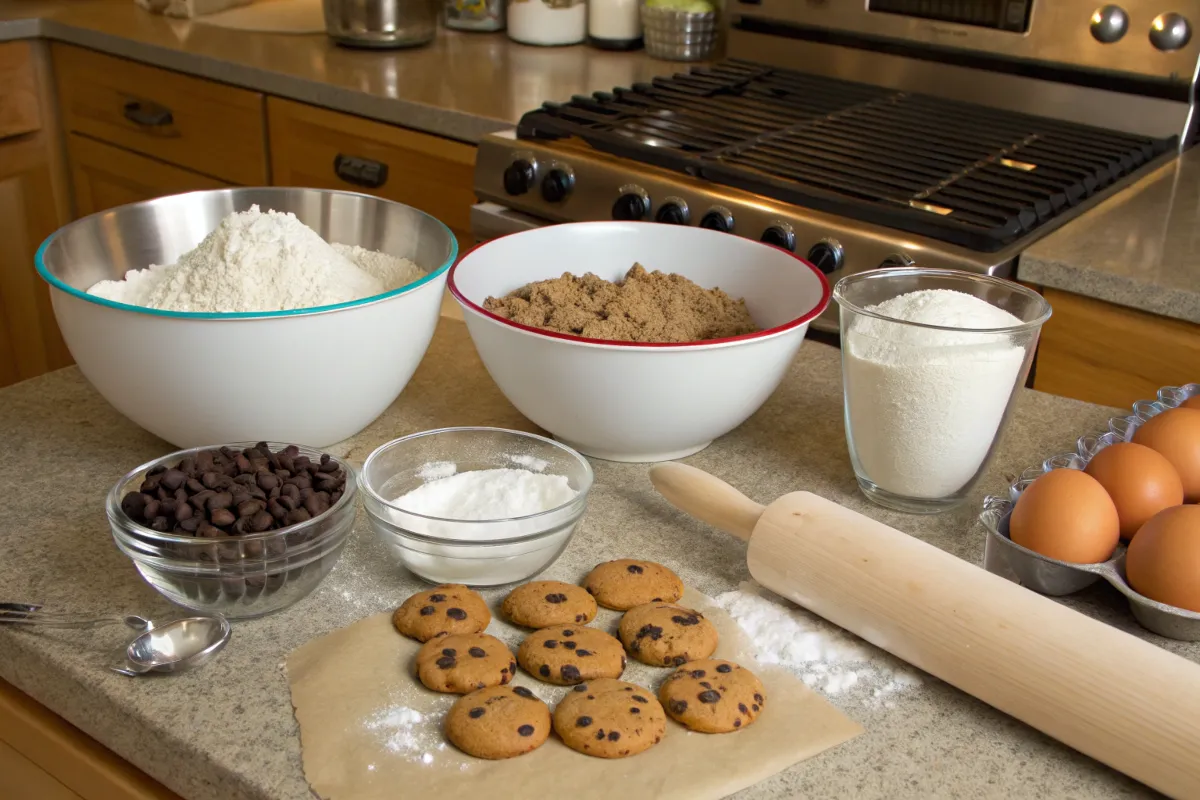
{"points": [[227, 732], [462, 86], [1140, 249]]}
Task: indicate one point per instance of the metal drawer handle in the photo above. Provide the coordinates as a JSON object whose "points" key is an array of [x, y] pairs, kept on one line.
{"points": [[360, 171], [149, 114]]}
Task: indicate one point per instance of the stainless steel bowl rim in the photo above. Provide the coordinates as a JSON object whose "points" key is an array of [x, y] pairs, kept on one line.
{"points": [[113, 502], [369, 493], [906, 272], [39, 264]]}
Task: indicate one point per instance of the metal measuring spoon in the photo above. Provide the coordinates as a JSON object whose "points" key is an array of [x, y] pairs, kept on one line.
{"points": [[176, 646]]}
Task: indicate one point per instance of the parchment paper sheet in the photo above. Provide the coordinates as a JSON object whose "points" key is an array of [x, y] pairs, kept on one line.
{"points": [[349, 685]]}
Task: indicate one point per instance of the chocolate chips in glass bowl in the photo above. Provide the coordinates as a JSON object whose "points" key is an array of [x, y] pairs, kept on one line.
{"points": [[230, 492]]}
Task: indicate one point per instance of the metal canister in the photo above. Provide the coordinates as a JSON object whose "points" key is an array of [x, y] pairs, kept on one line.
{"points": [[474, 15]]}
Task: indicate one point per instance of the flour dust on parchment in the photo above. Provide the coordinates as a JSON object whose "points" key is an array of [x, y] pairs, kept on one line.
{"points": [[370, 731], [823, 655]]}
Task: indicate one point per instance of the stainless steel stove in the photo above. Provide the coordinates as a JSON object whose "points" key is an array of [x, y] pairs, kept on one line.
{"points": [[866, 133]]}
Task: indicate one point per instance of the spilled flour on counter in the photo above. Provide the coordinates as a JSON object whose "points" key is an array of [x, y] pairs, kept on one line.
{"points": [[824, 656], [407, 732]]}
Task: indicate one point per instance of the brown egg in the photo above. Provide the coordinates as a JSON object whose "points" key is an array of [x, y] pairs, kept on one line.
{"points": [[1191, 402], [1163, 560], [1066, 514], [1140, 481], [1176, 434]]}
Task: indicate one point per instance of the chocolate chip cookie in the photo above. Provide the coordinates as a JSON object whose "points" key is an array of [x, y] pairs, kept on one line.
{"points": [[463, 662], [571, 654], [610, 719], [666, 635], [449, 608], [713, 696], [626, 582], [544, 603], [498, 722]]}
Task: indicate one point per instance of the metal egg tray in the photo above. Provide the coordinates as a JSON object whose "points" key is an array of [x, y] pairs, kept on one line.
{"points": [[1056, 578]]}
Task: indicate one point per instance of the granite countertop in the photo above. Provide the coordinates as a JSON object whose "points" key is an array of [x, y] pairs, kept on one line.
{"points": [[227, 732], [1137, 249], [461, 86]]}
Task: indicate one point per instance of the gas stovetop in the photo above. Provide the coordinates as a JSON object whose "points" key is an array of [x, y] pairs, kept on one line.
{"points": [[971, 176]]}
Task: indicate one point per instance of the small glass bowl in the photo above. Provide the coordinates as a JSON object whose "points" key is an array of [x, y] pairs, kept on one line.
{"points": [[240, 577], [471, 552]]}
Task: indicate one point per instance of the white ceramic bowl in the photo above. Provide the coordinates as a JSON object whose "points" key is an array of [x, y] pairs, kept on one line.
{"points": [[310, 376], [638, 402]]}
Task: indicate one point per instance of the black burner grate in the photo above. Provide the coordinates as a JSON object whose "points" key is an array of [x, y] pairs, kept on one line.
{"points": [[958, 172]]}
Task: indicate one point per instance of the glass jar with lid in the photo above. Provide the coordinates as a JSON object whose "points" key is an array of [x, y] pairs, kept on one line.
{"points": [[547, 22], [615, 24], [474, 15]]}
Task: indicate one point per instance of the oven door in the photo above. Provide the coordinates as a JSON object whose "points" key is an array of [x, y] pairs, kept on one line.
{"points": [[491, 221]]}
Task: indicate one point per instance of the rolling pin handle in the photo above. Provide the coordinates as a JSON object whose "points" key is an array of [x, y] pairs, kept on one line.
{"points": [[706, 498]]}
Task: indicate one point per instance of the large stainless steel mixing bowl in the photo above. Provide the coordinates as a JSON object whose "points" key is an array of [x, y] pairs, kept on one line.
{"points": [[309, 376]]}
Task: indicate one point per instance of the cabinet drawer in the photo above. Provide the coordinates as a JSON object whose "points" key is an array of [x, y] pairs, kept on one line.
{"points": [[208, 127], [423, 171], [19, 112], [103, 176]]}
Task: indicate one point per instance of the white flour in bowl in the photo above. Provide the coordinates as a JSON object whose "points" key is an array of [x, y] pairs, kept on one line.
{"points": [[261, 261], [924, 405]]}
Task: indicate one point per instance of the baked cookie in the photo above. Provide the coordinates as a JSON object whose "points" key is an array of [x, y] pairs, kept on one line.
{"points": [[610, 719], [463, 662], [498, 722], [713, 696], [571, 654], [449, 608], [627, 582], [665, 635], [544, 603]]}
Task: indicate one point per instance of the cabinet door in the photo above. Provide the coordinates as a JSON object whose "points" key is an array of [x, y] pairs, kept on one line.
{"points": [[104, 176], [427, 172]]}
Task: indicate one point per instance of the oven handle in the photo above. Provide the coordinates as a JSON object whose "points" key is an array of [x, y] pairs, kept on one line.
{"points": [[491, 221]]}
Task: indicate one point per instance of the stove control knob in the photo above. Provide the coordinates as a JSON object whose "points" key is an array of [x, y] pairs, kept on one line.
{"points": [[672, 214], [557, 185], [630, 207], [1109, 24], [1170, 31], [518, 177], [718, 219], [780, 237], [827, 255]]}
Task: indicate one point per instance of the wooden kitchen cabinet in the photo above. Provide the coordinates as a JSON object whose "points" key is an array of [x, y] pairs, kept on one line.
{"points": [[427, 172], [1111, 355], [33, 204], [201, 125], [103, 176]]}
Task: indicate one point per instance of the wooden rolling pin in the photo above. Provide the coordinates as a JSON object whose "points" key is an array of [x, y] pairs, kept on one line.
{"points": [[1110, 695]]}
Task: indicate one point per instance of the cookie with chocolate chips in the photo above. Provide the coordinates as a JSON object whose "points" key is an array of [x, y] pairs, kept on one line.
{"points": [[627, 582], [541, 604], [666, 635], [610, 719], [570, 654], [713, 696], [449, 608], [498, 722], [463, 662]]}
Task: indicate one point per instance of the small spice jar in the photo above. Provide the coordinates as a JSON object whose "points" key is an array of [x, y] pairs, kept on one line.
{"points": [[474, 15], [615, 24], [547, 22]]}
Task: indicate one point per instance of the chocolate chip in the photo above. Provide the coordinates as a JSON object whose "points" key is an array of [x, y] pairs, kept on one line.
{"points": [[629, 688], [754, 706], [656, 600], [456, 613], [677, 660], [550, 644], [477, 652], [569, 645], [580, 617], [737, 723], [427, 610], [568, 633], [685, 621], [521, 691], [512, 667], [653, 631], [724, 668], [556, 598], [449, 651], [677, 706], [437, 598], [698, 673], [582, 652], [705, 684], [582, 722], [709, 696], [476, 713], [569, 672], [600, 735], [637, 698], [581, 687], [544, 671], [742, 708], [446, 662], [614, 736], [758, 698], [525, 730], [634, 710], [635, 569]]}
